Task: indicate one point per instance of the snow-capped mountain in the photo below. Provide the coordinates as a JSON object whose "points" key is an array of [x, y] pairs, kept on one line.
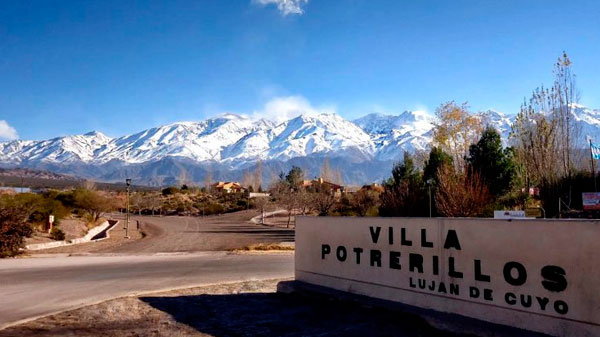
{"points": [[392, 135], [498, 121], [76, 148], [225, 139], [231, 143], [588, 122]]}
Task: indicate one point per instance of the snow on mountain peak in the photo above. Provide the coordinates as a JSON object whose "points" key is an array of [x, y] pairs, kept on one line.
{"points": [[237, 140]]}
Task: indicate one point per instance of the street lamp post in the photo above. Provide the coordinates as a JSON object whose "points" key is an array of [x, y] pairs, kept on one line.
{"points": [[128, 183], [429, 183]]}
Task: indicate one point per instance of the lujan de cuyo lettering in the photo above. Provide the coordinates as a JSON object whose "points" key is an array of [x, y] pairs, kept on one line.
{"points": [[514, 273]]}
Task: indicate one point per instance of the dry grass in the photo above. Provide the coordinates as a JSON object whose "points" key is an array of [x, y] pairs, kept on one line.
{"points": [[282, 246]]}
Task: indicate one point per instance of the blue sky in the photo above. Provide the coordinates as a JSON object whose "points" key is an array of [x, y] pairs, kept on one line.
{"points": [[68, 67]]}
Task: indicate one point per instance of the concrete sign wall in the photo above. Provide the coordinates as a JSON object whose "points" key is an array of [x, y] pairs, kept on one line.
{"points": [[539, 275]]}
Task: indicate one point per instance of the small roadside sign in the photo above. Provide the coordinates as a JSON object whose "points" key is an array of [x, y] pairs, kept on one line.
{"points": [[591, 200], [533, 213]]}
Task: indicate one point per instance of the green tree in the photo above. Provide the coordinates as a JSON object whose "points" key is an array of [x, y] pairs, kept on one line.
{"points": [[437, 159], [403, 193], [295, 177], [13, 227], [495, 164], [95, 203]]}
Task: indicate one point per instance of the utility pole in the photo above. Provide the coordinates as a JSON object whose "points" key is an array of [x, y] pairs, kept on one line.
{"points": [[593, 170], [429, 182], [128, 183]]}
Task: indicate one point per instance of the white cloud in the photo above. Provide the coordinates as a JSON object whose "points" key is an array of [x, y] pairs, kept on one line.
{"points": [[280, 109], [7, 132], [286, 7]]}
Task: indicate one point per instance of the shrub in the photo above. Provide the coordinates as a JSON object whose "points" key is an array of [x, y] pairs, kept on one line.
{"points": [[13, 227], [461, 194], [170, 191], [95, 203], [57, 234], [214, 209]]}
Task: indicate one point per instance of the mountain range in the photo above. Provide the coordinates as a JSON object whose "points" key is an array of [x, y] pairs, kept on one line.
{"points": [[227, 146]]}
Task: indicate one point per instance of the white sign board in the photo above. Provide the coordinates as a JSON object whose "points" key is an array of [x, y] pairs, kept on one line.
{"points": [[538, 275], [258, 195], [509, 214]]}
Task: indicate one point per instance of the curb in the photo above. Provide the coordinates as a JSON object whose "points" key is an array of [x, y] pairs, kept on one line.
{"points": [[256, 219], [106, 226]]}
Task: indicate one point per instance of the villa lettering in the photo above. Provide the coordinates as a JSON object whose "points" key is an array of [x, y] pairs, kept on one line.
{"points": [[395, 249]]}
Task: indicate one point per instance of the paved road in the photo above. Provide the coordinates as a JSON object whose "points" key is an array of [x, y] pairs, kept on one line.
{"points": [[39, 286], [192, 234]]}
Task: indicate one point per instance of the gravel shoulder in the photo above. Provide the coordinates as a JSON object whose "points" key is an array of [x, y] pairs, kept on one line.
{"points": [[251, 308], [116, 239]]}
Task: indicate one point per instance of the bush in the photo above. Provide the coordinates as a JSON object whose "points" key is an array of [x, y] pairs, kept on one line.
{"points": [[57, 234], [93, 202], [170, 191], [13, 228], [211, 209]]}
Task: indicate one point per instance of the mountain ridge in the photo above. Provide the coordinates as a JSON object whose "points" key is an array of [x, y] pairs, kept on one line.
{"points": [[235, 143]]}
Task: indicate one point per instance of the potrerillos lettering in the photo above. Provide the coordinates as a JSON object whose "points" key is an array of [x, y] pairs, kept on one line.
{"points": [[401, 253]]}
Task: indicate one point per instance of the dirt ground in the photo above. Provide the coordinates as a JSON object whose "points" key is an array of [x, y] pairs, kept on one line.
{"points": [[116, 239], [73, 228], [236, 309]]}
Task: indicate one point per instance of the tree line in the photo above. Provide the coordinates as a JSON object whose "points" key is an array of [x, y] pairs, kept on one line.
{"points": [[470, 172]]}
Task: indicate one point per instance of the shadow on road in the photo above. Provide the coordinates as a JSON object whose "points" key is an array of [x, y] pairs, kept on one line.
{"points": [[254, 234], [272, 314]]}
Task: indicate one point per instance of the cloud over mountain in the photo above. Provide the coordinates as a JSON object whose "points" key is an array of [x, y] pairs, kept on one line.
{"points": [[280, 109], [286, 7], [7, 132]]}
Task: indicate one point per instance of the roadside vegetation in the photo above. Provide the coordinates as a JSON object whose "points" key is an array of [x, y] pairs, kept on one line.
{"points": [[25, 214]]}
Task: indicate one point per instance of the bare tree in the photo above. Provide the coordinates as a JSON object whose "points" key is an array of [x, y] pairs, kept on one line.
{"points": [[153, 202], [183, 176], [566, 96], [288, 200], [248, 181], [324, 201], [89, 185], [460, 194], [305, 200], [326, 171], [362, 201], [455, 130], [208, 180], [258, 176], [534, 136], [137, 202], [544, 134], [261, 204]]}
